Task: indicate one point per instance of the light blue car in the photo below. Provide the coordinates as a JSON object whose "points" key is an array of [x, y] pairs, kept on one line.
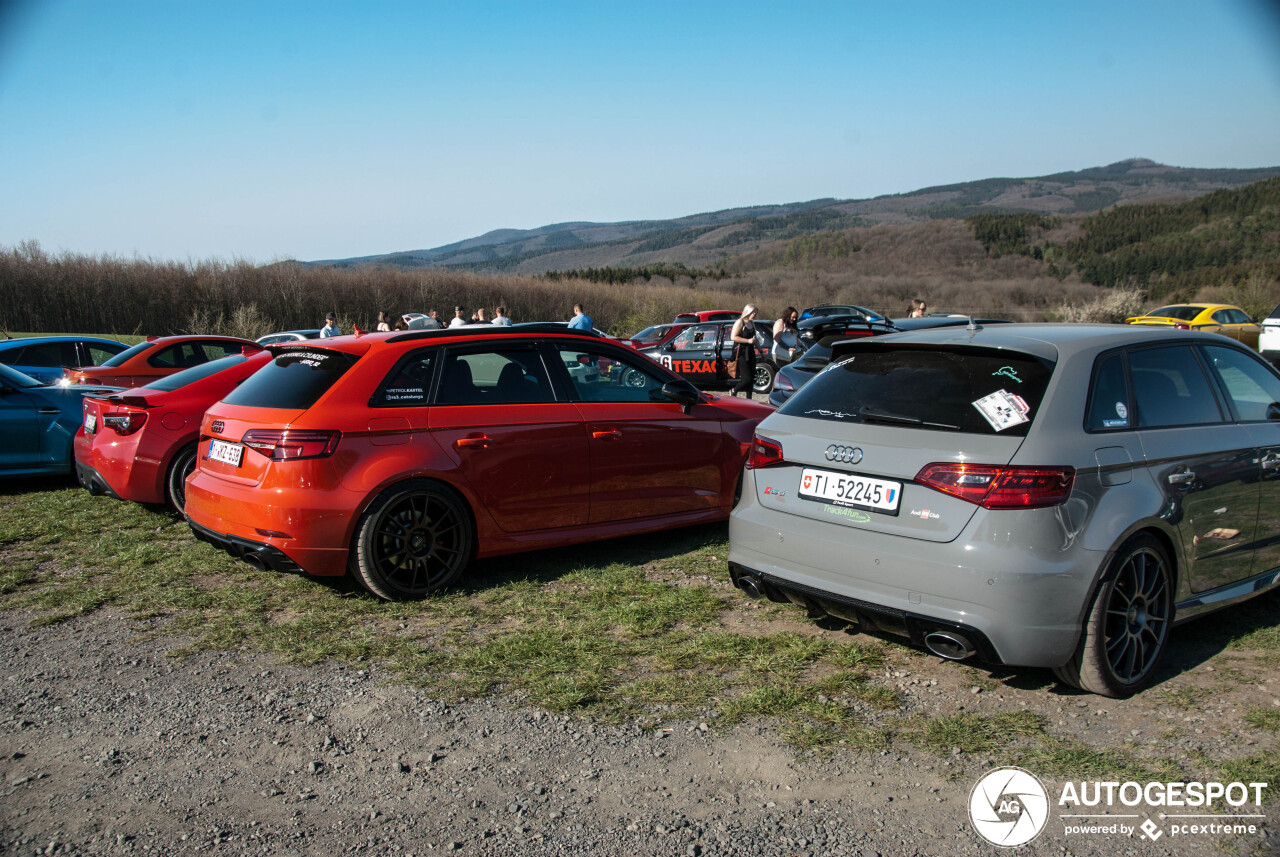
{"points": [[38, 423]]}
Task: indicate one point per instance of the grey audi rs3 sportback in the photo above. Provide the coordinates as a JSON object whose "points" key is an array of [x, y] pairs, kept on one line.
{"points": [[1030, 495]]}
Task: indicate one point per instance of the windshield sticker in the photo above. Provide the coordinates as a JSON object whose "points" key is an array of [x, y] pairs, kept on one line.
{"points": [[1122, 412], [844, 512], [1003, 409], [1008, 372], [822, 412], [1115, 423]]}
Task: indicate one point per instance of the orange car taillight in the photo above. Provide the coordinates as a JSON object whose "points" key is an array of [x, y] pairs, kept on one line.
{"points": [[993, 487], [124, 423], [764, 453], [292, 444]]}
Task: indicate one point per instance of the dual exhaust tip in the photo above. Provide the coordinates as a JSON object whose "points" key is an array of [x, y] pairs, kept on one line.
{"points": [[948, 644]]}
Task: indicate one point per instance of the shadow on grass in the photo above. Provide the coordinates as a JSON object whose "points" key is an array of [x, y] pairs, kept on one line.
{"points": [[19, 485]]}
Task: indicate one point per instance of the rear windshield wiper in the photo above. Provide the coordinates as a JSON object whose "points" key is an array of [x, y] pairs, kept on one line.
{"points": [[869, 416]]}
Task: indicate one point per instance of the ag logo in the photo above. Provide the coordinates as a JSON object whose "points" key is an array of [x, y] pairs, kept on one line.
{"points": [[850, 454], [1009, 807], [217, 426]]}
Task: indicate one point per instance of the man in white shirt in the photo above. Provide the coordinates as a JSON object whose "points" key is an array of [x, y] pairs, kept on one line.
{"points": [[500, 316], [330, 326], [458, 320]]}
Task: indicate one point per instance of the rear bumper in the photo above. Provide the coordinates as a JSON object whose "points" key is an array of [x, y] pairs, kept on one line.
{"points": [[93, 482], [309, 527], [257, 554], [1021, 605]]}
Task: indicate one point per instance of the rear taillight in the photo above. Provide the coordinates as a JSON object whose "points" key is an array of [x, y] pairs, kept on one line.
{"points": [[782, 383], [292, 444], [764, 453], [124, 423], [1181, 325], [994, 487]]}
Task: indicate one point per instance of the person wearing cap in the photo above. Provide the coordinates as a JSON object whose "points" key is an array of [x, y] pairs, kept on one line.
{"points": [[330, 326], [458, 320]]}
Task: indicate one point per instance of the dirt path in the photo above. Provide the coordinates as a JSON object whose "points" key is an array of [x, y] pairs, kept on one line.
{"points": [[107, 746]]}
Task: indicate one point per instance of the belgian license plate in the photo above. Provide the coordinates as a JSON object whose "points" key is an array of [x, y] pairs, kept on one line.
{"points": [[845, 489], [90, 423], [227, 453]]}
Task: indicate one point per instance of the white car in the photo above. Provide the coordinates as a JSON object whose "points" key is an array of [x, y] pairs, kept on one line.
{"points": [[1269, 338]]}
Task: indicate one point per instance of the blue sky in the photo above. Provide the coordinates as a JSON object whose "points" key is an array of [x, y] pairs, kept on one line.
{"points": [[267, 130]]}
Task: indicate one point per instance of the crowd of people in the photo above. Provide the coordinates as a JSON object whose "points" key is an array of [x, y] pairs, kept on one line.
{"points": [[786, 333]]}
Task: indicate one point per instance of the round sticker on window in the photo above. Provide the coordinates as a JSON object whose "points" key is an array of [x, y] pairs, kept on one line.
{"points": [[1121, 411]]}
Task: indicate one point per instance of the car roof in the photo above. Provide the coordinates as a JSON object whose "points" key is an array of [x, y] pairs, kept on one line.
{"points": [[40, 340], [1049, 340]]}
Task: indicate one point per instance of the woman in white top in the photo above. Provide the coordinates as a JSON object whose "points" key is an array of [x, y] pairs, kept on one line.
{"points": [[786, 336]]}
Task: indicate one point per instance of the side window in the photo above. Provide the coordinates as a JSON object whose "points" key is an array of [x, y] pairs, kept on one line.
{"points": [[181, 356], [1251, 386], [694, 339], [408, 383], [47, 354], [99, 354], [1223, 316], [1239, 316], [215, 349], [604, 378], [499, 377], [1170, 388], [1109, 400]]}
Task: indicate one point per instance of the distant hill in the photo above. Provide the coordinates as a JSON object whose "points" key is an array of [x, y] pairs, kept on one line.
{"points": [[712, 239]]}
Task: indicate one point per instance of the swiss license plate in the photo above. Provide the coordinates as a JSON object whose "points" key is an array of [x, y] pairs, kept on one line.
{"points": [[845, 489], [90, 423], [227, 453]]}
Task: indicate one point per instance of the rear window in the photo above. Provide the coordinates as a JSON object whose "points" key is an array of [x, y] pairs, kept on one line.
{"points": [[294, 380], [975, 391], [128, 354], [652, 334], [1181, 313], [197, 373]]}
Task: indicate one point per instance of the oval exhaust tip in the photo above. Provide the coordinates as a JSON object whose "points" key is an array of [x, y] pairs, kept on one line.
{"points": [[947, 645], [750, 587]]}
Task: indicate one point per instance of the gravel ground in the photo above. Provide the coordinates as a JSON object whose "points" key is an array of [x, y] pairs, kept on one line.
{"points": [[110, 746]]}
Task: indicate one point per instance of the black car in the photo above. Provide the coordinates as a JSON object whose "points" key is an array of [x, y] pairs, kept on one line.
{"points": [[702, 353], [794, 376]]}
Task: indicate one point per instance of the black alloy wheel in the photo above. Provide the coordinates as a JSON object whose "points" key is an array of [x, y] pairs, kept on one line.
{"points": [[415, 539], [1128, 624]]}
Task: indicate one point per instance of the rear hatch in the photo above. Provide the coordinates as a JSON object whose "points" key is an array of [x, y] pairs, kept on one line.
{"points": [[238, 434], [857, 442]]}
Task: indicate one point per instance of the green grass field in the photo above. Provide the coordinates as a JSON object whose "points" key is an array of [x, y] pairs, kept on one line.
{"points": [[641, 629]]}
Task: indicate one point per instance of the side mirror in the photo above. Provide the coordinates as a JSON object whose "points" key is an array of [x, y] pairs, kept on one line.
{"points": [[684, 394], [1273, 411]]}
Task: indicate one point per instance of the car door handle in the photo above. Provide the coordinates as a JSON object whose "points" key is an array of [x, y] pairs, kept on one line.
{"points": [[1181, 478], [48, 411], [607, 434], [473, 442]]}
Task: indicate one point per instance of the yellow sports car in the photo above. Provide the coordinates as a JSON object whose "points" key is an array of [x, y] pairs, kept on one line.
{"points": [[1216, 318]]}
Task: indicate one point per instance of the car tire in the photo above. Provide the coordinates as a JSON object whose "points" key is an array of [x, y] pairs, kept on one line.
{"points": [[1127, 627], [414, 539], [175, 481], [763, 380], [634, 378]]}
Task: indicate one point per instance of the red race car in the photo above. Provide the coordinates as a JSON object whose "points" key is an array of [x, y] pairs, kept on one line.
{"points": [[156, 358], [403, 456], [140, 445]]}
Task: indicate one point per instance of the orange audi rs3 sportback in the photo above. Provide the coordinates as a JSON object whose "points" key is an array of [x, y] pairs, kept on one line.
{"points": [[402, 456]]}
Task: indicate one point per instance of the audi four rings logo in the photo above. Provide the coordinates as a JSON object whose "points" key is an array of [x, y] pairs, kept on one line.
{"points": [[849, 454], [217, 426]]}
